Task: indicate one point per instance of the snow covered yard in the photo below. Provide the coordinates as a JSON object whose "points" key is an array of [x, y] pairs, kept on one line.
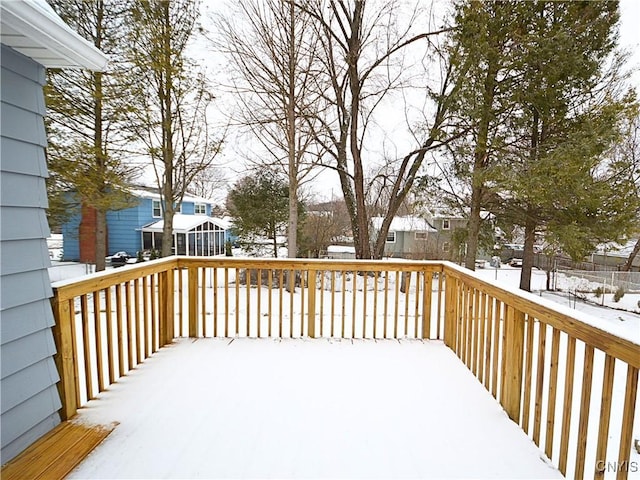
{"points": [[302, 408], [620, 318]]}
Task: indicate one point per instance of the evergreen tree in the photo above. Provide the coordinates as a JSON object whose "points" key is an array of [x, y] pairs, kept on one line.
{"points": [[259, 206], [557, 179], [483, 52], [86, 112], [536, 116]]}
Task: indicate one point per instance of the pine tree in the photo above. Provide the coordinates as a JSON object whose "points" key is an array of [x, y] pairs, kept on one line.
{"points": [[557, 178], [259, 206], [86, 113], [483, 52]]}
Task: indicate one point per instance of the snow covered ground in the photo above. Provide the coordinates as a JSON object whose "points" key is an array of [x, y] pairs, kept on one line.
{"points": [[264, 408], [621, 318]]}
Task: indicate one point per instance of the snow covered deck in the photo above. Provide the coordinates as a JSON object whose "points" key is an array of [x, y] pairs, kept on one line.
{"points": [[359, 369], [302, 408]]}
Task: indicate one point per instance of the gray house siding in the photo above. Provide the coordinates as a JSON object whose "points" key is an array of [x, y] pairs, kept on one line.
{"points": [[29, 398]]}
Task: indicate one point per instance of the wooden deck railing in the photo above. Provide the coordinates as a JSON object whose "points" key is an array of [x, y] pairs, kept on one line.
{"points": [[570, 386]]}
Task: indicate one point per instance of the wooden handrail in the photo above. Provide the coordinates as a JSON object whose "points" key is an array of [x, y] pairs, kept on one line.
{"points": [[68, 289], [556, 316]]}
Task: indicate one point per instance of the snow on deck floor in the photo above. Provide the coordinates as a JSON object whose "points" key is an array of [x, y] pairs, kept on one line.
{"points": [[271, 408]]}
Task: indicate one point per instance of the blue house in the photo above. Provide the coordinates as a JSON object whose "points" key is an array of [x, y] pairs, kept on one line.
{"points": [[33, 38], [139, 228]]}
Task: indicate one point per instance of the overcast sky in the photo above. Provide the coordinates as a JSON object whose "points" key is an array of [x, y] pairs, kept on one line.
{"points": [[630, 32], [629, 39]]}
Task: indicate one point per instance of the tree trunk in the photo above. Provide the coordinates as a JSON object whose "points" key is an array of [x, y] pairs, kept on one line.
{"points": [[527, 258], [362, 244], [480, 163], [101, 239], [167, 225], [100, 165], [275, 245], [292, 234], [627, 265], [166, 90], [473, 228]]}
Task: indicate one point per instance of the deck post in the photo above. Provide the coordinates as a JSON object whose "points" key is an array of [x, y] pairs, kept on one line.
{"points": [[311, 306], [512, 369], [450, 311], [193, 301], [65, 357], [165, 280]]}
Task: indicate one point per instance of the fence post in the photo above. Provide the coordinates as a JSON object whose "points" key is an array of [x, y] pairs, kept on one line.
{"points": [[512, 368], [311, 306], [450, 311], [193, 301], [166, 300], [65, 356]]}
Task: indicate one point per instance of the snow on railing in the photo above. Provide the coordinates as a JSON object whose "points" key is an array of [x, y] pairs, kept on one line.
{"points": [[109, 322]]}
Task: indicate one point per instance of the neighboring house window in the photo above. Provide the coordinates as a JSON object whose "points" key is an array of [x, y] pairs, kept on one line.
{"points": [[157, 210], [178, 208], [445, 224], [391, 237], [201, 209], [421, 235], [446, 247]]}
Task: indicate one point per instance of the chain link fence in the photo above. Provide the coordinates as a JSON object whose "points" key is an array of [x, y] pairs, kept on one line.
{"points": [[608, 282]]}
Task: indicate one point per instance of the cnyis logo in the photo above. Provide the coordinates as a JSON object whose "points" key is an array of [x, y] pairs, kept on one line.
{"points": [[614, 467]]}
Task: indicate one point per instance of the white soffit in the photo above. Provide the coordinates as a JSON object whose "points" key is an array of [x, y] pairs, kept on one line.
{"points": [[32, 28]]}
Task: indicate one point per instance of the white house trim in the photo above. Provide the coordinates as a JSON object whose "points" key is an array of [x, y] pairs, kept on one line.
{"points": [[32, 28]]}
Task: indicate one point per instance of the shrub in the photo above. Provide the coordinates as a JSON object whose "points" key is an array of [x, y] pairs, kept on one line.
{"points": [[598, 292], [618, 295]]}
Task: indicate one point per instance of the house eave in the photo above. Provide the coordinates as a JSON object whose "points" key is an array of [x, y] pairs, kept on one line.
{"points": [[32, 28]]}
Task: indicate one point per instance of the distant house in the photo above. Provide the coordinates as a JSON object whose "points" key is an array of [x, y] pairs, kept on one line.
{"points": [[341, 252], [33, 38], [446, 225], [408, 237], [139, 228]]}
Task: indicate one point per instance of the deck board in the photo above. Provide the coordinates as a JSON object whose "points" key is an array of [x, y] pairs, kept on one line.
{"points": [[57, 453]]}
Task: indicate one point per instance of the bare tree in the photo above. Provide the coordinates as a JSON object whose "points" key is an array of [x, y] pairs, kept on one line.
{"points": [[209, 182], [363, 45], [272, 51], [171, 98], [324, 224]]}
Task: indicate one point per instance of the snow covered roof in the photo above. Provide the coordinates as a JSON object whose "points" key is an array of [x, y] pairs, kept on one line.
{"points": [[615, 249], [405, 224], [184, 223], [154, 195], [341, 249], [32, 28]]}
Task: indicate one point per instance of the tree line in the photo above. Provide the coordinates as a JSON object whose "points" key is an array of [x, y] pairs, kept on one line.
{"points": [[519, 109]]}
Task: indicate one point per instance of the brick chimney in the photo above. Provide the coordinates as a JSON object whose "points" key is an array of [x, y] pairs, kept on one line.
{"points": [[87, 235]]}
